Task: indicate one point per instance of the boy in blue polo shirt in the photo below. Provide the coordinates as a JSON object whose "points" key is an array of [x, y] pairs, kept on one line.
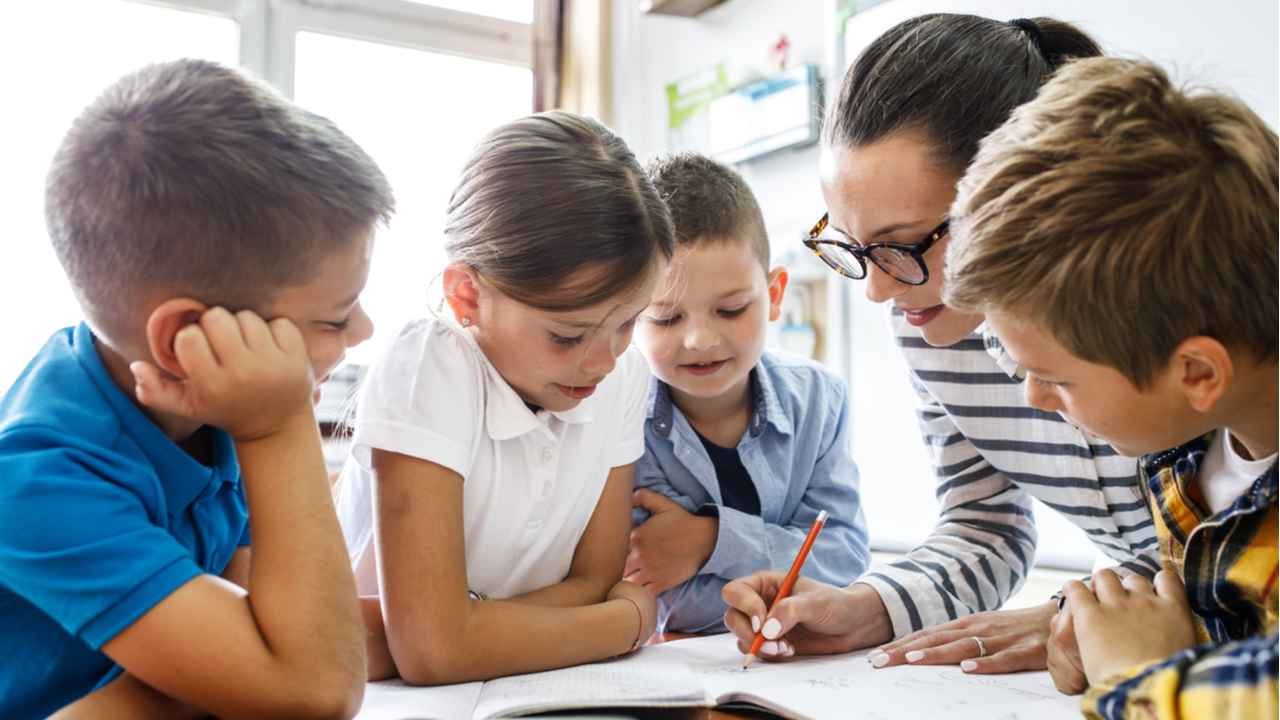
{"points": [[217, 238], [743, 446]]}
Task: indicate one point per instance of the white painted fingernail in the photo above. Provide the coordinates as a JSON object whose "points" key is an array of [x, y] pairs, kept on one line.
{"points": [[787, 650], [968, 665], [875, 652], [769, 648], [772, 628], [755, 624], [915, 655], [879, 660]]}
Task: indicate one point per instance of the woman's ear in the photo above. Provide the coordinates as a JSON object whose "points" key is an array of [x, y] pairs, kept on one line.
{"points": [[777, 288], [1204, 371], [164, 323], [462, 291]]}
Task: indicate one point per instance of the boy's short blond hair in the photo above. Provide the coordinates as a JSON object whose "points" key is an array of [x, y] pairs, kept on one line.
{"points": [[1125, 215], [709, 202], [192, 179]]}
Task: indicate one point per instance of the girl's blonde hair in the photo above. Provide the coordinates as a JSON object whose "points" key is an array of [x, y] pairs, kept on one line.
{"points": [[547, 196]]}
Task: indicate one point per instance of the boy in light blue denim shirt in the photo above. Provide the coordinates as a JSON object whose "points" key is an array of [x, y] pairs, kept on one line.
{"points": [[743, 446]]}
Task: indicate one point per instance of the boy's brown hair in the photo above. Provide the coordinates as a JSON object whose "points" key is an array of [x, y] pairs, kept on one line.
{"points": [[709, 202], [193, 179], [1125, 215]]}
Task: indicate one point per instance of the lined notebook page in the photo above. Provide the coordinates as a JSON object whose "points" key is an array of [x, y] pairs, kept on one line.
{"points": [[397, 700], [599, 685], [840, 686]]}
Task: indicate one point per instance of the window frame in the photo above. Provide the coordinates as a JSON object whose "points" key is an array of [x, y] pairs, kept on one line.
{"points": [[269, 30]]}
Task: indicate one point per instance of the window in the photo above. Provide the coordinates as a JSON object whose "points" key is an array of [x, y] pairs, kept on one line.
{"points": [[395, 75], [420, 123], [64, 53]]}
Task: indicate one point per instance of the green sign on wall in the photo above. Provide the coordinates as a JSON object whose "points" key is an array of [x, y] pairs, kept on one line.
{"points": [[689, 107]]}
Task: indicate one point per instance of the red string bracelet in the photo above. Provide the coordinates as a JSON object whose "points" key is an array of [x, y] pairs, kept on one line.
{"points": [[640, 629]]}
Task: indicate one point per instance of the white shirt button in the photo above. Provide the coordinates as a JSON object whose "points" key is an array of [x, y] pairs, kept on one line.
{"points": [[546, 489], [547, 454]]}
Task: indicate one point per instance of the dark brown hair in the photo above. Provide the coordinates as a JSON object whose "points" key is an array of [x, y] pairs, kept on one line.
{"points": [[709, 202], [193, 179], [547, 196], [952, 78], [1126, 216]]}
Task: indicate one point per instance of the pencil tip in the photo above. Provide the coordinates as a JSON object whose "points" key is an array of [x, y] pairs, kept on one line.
{"points": [[750, 659]]}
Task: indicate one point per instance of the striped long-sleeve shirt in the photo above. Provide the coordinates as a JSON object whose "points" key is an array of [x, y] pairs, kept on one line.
{"points": [[1228, 561], [991, 453]]}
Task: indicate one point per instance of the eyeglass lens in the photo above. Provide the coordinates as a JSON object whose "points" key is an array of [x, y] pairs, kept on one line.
{"points": [[843, 261], [898, 264], [901, 265]]}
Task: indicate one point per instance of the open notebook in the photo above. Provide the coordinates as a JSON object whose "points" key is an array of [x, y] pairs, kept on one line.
{"points": [[707, 672]]}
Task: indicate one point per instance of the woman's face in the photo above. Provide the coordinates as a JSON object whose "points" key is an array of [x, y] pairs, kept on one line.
{"points": [[892, 191]]}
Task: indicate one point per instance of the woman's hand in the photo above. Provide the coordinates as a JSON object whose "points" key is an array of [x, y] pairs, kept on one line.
{"points": [[1065, 665], [1014, 640], [814, 619]]}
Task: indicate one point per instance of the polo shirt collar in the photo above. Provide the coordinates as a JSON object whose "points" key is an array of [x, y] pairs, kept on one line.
{"points": [[181, 476], [505, 414], [765, 407]]}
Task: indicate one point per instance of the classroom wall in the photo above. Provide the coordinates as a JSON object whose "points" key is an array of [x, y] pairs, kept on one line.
{"points": [[1231, 44]]}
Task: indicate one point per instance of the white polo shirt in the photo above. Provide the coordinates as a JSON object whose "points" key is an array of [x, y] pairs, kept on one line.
{"points": [[530, 481]]}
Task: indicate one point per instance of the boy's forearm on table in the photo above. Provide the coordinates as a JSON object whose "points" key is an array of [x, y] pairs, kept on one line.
{"points": [[1243, 679]]}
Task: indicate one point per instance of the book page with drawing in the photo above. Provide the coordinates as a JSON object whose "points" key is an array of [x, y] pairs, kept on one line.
{"points": [[833, 686], [707, 671]]}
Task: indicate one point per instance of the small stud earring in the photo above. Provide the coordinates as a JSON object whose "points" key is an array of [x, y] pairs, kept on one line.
{"points": [[466, 321]]}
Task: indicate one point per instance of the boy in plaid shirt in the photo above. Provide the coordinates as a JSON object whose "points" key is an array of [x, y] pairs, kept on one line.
{"points": [[1121, 237]]}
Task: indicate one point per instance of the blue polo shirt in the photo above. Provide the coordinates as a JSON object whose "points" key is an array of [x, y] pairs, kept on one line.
{"points": [[101, 517]]}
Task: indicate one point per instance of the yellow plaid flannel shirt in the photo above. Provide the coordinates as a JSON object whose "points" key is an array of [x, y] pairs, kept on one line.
{"points": [[1228, 561]]}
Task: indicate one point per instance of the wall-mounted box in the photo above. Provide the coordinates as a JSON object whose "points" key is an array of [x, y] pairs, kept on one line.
{"points": [[686, 8], [765, 116]]}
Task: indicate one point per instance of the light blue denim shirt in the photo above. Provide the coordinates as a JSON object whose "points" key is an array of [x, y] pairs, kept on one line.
{"points": [[796, 450]]}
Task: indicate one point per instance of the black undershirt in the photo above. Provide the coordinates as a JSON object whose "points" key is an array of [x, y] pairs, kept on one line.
{"points": [[736, 489]]}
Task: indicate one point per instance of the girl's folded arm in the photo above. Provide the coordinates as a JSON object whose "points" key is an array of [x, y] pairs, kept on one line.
{"points": [[601, 553], [435, 632]]}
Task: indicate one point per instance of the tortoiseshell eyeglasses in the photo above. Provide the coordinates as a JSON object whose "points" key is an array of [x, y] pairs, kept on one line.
{"points": [[904, 263]]}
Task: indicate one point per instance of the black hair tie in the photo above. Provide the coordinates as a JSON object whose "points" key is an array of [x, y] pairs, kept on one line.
{"points": [[1034, 32]]}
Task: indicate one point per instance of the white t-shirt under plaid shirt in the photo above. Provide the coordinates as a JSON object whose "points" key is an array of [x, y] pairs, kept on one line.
{"points": [[531, 480], [990, 451]]}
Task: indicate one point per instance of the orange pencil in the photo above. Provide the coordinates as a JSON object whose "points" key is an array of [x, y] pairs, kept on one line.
{"points": [[787, 583]]}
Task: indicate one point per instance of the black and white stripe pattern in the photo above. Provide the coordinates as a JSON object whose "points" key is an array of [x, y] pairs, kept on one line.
{"points": [[991, 453]]}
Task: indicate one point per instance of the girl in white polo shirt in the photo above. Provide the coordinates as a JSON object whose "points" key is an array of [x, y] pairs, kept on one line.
{"points": [[487, 503]]}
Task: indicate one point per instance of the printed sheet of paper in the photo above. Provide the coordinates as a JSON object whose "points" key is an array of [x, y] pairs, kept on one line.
{"points": [[840, 686], [598, 685], [397, 700]]}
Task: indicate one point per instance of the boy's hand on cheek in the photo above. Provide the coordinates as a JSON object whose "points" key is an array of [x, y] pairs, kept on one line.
{"points": [[244, 375], [671, 546], [1128, 623]]}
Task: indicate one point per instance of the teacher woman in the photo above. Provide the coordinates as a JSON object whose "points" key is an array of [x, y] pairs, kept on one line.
{"points": [[910, 114]]}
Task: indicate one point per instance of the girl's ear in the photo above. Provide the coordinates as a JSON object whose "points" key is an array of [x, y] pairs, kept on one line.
{"points": [[164, 323], [462, 291], [1204, 371], [777, 288]]}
